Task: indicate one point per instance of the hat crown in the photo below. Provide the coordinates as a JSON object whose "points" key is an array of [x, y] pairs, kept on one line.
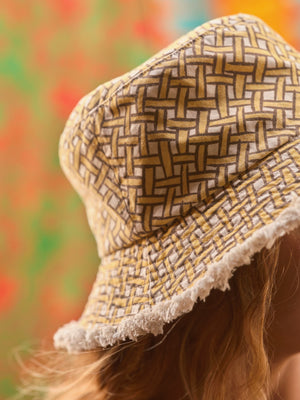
{"points": [[144, 148]]}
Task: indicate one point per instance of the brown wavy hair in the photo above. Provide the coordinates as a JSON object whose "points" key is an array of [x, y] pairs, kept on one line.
{"points": [[217, 351]]}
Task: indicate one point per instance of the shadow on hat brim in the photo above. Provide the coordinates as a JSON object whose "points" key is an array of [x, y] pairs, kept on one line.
{"points": [[140, 288]]}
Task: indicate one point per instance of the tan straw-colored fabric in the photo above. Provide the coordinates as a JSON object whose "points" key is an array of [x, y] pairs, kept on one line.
{"points": [[187, 166]]}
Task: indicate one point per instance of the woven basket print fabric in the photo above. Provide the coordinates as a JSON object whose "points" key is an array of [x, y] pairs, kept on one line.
{"points": [[182, 159]]}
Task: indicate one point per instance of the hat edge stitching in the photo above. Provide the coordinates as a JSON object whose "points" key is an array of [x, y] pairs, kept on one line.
{"points": [[75, 338]]}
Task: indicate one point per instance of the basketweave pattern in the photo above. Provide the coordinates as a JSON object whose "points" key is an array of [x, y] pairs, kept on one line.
{"points": [[176, 256], [172, 141], [184, 126]]}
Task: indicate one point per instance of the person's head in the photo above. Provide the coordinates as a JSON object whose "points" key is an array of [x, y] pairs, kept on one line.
{"points": [[188, 167], [226, 347]]}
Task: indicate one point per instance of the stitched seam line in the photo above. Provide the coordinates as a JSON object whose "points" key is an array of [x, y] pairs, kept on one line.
{"points": [[179, 47]]}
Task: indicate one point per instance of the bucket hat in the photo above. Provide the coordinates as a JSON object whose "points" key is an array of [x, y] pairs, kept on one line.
{"points": [[187, 166]]}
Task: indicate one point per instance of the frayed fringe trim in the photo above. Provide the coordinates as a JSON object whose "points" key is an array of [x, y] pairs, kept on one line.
{"points": [[74, 338]]}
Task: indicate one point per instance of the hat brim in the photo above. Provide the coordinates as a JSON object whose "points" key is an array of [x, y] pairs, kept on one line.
{"points": [[140, 288]]}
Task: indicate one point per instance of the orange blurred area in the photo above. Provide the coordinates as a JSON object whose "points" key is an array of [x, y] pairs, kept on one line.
{"points": [[281, 15]]}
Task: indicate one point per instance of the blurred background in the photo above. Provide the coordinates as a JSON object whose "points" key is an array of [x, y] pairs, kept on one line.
{"points": [[51, 54]]}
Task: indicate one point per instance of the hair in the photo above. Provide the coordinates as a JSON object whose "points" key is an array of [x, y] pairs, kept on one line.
{"points": [[217, 349]]}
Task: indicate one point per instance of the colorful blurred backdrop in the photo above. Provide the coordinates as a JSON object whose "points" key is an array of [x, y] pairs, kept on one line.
{"points": [[52, 53]]}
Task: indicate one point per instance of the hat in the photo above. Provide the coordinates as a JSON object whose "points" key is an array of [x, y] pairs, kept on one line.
{"points": [[187, 166]]}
